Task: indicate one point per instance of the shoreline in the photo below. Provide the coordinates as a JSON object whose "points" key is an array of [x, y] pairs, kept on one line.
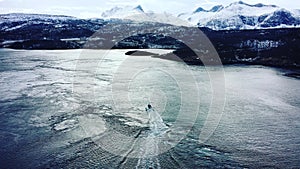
{"points": [[288, 71]]}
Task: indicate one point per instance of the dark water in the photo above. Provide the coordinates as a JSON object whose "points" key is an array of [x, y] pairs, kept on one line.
{"points": [[57, 111]]}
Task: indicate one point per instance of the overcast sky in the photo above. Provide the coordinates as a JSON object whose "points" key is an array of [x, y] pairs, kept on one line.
{"points": [[94, 8]]}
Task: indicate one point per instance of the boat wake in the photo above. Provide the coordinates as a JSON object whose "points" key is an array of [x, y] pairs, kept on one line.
{"points": [[157, 125], [149, 155]]}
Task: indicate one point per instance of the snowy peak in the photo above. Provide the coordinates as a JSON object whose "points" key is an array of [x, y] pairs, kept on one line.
{"points": [[262, 5], [137, 14], [237, 15], [241, 8], [139, 7], [240, 15], [213, 9], [216, 8], [200, 9], [259, 5], [122, 12]]}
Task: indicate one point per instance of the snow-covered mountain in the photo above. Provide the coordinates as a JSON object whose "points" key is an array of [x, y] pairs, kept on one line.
{"points": [[236, 16], [122, 12], [239, 15], [19, 26], [21, 17], [138, 14]]}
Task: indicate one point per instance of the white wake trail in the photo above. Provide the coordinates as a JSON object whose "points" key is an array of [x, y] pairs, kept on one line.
{"points": [[157, 125], [149, 154]]}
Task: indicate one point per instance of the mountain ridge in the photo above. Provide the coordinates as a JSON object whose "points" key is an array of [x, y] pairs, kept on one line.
{"points": [[240, 15], [237, 15]]}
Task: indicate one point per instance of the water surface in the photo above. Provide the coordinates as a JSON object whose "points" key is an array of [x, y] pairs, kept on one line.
{"points": [[55, 109]]}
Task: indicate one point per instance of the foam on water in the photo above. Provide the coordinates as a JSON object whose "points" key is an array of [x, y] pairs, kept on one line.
{"points": [[67, 124], [157, 125], [149, 154]]}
